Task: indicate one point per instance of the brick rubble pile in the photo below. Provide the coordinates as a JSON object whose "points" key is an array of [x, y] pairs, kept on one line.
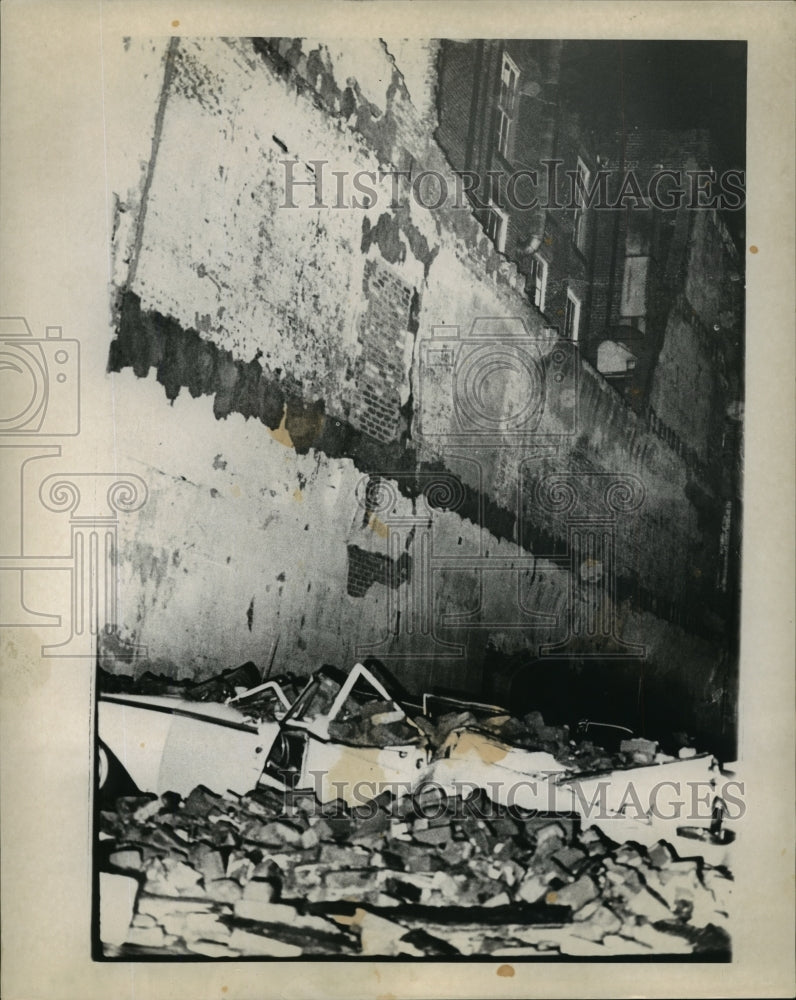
{"points": [[266, 874]]}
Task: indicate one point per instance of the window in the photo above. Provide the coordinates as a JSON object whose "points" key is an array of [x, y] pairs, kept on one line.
{"points": [[537, 284], [633, 301], [495, 225], [506, 105], [572, 316], [504, 133], [579, 221]]}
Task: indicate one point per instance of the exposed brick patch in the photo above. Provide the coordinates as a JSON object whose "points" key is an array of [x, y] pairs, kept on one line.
{"points": [[366, 568], [376, 408]]}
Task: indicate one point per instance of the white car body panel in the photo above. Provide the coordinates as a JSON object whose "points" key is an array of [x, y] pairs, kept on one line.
{"points": [[608, 800], [170, 744], [511, 776]]}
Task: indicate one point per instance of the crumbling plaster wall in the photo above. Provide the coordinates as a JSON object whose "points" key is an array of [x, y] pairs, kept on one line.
{"points": [[250, 529]]}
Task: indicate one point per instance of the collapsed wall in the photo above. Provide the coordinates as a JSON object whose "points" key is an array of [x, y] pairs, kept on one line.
{"points": [[324, 477]]}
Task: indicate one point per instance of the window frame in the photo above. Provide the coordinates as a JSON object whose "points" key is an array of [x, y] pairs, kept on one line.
{"points": [[504, 133], [506, 104], [579, 218], [499, 239], [572, 330], [539, 267]]}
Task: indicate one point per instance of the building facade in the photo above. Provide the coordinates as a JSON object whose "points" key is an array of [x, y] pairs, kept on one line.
{"points": [[390, 398]]}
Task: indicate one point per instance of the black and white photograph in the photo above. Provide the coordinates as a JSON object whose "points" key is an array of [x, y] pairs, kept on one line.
{"points": [[385, 528]]}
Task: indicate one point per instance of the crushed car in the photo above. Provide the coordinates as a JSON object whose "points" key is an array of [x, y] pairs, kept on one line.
{"points": [[346, 738], [633, 793], [352, 737], [338, 737], [176, 740]]}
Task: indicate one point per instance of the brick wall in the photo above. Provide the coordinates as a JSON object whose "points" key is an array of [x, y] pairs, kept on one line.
{"points": [[381, 370], [366, 568]]}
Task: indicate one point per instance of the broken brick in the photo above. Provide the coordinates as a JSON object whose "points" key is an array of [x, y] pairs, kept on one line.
{"points": [[433, 835], [263, 801], [248, 943], [628, 854], [223, 890], [455, 851], [343, 884], [310, 838], [660, 854], [503, 826], [170, 877], [639, 750], [480, 840], [428, 944], [399, 830], [167, 841], [569, 859], [277, 833], [240, 868], [128, 859], [209, 862], [373, 826], [532, 888], [600, 922], [146, 937], [412, 858], [577, 893], [201, 802], [340, 827], [205, 926], [211, 949], [343, 856], [259, 890], [549, 838], [381, 937], [409, 891], [265, 912], [147, 810], [501, 899], [646, 904], [657, 939]]}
